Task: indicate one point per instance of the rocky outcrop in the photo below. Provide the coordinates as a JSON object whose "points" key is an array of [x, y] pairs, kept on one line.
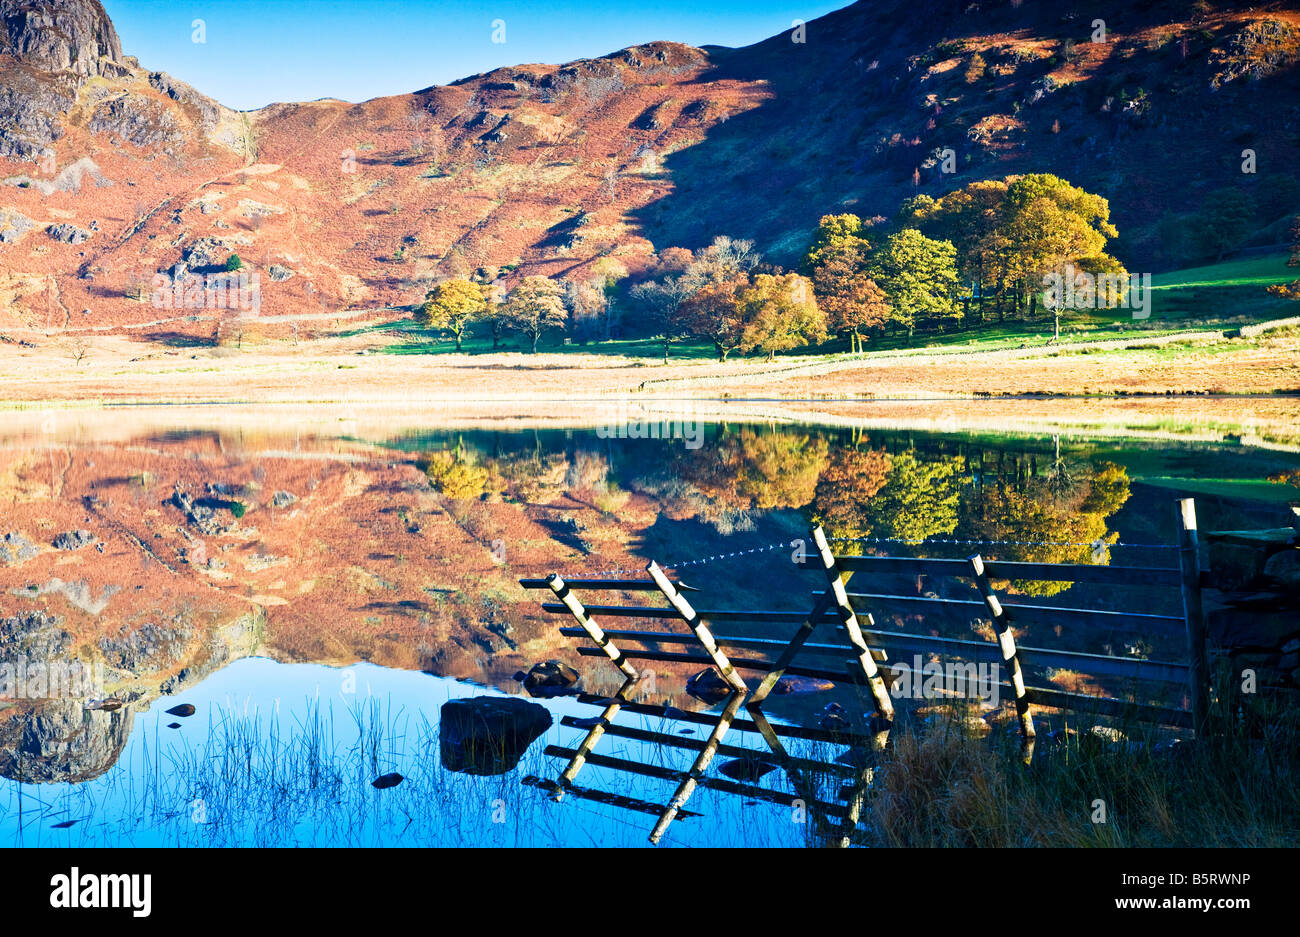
{"points": [[32, 104], [488, 734], [68, 233], [15, 548], [33, 635], [13, 225], [60, 35], [141, 121], [207, 113], [61, 741], [73, 540]]}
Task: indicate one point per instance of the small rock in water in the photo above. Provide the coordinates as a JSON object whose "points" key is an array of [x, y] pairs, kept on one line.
{"points": [[64, 825], [788, 685], [387, 780], [107, 705], [184, 709], [551, 678], [173, 725], [708, 686], [833, 718], [746, 769]]}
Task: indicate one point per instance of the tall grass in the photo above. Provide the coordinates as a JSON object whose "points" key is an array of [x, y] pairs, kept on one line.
{"points": [[1239, 786]]}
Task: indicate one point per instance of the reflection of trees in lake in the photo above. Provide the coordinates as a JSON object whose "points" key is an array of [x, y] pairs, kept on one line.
{"points": [[1052, 517], [896, 489], [735, 473], [904, 496]]}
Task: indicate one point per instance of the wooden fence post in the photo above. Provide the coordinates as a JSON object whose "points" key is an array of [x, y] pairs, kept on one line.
{"points": [[593, 736], [589, 625], [1198, 670], [876, 683], [1007, 643], [691, 777], [702, 633], [789, 653]]}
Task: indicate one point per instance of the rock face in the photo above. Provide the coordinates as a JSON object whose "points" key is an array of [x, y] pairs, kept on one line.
{"points": [[60, 35], [489, 734], [68, 233], [60, 741], [73, 540], [15, 548]]}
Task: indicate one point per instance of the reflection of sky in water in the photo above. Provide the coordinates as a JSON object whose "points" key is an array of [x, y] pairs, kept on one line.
{"points": [[149, 797]]}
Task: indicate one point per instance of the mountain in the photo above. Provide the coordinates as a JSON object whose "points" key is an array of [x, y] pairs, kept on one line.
{"points": [[110, 173]]}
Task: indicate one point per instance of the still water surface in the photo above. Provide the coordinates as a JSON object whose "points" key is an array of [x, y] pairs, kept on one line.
{"points": [[318, 597]]}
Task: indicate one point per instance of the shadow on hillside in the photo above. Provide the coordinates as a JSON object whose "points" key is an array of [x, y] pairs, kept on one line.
{"points": [[178, 340]]}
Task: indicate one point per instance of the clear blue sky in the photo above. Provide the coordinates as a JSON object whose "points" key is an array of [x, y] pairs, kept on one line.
{"points": [[279, 50]]}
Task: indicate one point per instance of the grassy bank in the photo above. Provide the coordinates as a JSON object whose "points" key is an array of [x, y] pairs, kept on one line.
{"points": [[1239, 787]]}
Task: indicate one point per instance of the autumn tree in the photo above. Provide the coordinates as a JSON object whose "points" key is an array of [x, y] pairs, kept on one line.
{"points": [[1009, 233], [534, 307], [852, 477], [918, 500], [919, 277], [452, 306], [739, 472], [714, 314], [837, 263], [779, 312]]}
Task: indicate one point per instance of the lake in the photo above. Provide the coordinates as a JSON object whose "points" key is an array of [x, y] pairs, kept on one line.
{"points": [[319, 586]]}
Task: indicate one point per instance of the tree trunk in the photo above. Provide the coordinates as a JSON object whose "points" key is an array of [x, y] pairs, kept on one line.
{"points": [[536, 336]]}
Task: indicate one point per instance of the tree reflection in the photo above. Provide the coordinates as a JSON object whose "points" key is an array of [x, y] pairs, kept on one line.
{"points": [[1058, 516]]}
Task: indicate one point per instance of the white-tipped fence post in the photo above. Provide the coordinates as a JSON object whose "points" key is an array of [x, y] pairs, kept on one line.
{"points": [[1007, 644], [589, 625], [702, 633], [849, 619]]}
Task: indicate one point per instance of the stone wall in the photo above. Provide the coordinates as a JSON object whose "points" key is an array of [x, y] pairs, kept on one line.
{"points": [[1253, 602]]}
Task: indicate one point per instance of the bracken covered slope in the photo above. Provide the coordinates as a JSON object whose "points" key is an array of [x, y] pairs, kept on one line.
{"points": [[110, 173]]}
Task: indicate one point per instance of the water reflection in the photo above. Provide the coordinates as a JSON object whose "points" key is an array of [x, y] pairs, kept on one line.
{"points": [[166, 557]]}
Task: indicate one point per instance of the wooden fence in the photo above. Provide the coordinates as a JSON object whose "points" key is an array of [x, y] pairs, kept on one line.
{"points": [[860, 648]]}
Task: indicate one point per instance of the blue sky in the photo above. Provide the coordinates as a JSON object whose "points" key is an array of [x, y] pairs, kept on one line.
{"points": [[277, 50]]}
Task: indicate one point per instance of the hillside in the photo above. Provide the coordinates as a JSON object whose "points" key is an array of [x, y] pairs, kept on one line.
{"points": [[110, 173]]}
